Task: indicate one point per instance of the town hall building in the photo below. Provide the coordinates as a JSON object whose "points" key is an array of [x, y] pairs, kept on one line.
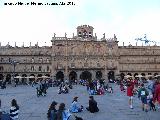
{"points": [[82, 56]]}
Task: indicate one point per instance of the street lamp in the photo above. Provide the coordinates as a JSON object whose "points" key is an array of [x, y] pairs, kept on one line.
{"points": [[14, 63]]}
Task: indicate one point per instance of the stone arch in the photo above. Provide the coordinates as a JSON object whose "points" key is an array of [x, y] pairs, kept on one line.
{"points": [[135, 74], [72, 75], [129, 74], [8, 78], [24, 79], [31, 78], [122, 75], [143, 74], [16, 78], [86, 75], [1, 77], [60, 75], [48, 75], [39, 77], [111, 75], [98, 75], [155, 74]]}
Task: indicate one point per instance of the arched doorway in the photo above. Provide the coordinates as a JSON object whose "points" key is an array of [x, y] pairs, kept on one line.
{"points": [[135, 74], [86, 75], [155, 74], [111, 75], [31, 78], [48, 75], [16, 78], [24, 79], [8, 78], [39, 77], [60, 76], [1, 76], [129, 74], [143, 78], [122, 76], [72, 76], [98, 75], [1, 79]]}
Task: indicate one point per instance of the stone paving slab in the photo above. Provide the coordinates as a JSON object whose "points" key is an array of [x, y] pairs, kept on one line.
{"points": [[112, 106]]}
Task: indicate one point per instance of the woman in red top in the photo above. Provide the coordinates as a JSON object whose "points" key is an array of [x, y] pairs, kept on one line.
{"points": [[130, 88]]}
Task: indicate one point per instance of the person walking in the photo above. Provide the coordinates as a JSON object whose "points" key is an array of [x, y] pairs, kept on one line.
{"points": [[130, 88], [92, 105], [52, 112], [143, 93], [14, 110]]}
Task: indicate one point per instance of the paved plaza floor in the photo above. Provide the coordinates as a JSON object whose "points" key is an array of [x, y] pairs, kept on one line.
{"points": [[112, 106]]}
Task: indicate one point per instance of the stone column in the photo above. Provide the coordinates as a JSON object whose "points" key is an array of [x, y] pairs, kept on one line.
{"points": [[66, 75], [93, 72], [105, 72], [78, 75]]}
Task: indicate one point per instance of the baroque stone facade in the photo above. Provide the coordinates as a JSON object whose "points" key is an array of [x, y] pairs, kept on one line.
{"points": [[81, 57]]}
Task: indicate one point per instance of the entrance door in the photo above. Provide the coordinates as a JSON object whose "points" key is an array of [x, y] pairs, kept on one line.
{"points": [[8, 78], [98, 75], [72, 76], [111, 76], [86, 75], [60, 76]]}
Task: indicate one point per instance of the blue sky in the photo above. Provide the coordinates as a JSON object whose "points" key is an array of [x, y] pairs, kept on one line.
{"points": [[128, 19]]}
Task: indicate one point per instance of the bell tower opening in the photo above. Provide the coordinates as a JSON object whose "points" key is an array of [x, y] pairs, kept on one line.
{"points": [[85, 31]]}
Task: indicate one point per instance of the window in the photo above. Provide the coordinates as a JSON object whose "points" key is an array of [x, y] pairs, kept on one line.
{"points": [[2, 59], [40, 60], [1, 68], [72, 65], [40, 68], [9, 59], [86, 64], [98, 65], [47, 68], [47, 60], [32, 68], [32, 60]]}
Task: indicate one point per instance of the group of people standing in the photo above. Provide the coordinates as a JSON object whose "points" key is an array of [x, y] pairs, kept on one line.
{"points": [[63, 114], [149, 95]]}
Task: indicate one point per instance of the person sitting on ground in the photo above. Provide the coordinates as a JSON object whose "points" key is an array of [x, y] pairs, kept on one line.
{"points": [[62, 113], [14, 110], [52, 112], [92, 105], [74, 108]]}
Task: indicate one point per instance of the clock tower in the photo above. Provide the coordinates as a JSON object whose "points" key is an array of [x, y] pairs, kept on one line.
{"points": [[85, 31]]}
